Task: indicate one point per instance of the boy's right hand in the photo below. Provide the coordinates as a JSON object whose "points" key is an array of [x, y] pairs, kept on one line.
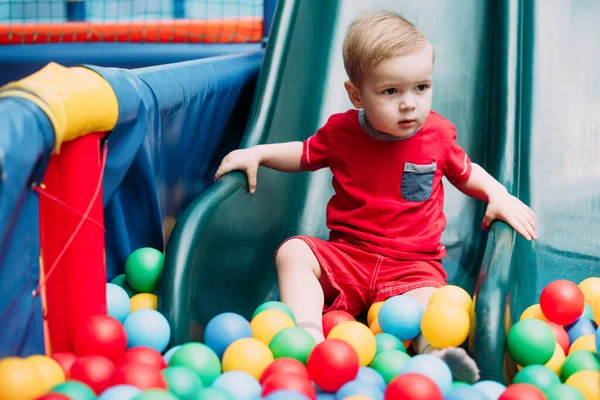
{"points": [[246, 160]]}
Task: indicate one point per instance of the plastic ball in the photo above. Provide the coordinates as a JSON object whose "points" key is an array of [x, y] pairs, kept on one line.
{"points": [[75, 390], [452, 294], [141, 376], [268, 323], [561, 336], [117, 302], [121, 280], [354, 388], [240, 385], [156, 395], [389, 364], [445, 324], [491, 389], [535, 312], [557, 360], [581, 360], [274, 305], [65, 360], [147, 328], [51, 372], [579, 328], [101, 335], [386, 342], [54, 396], [144, 301], [375, 327], [585, 342], [144, 355], [167, 356], [359, 337], [598, 341], [563, 392], [326, 396], [143, 268], [285, 395], [590, 288], [182, 382], [285, 366], [588, 312], [401, 317], [522, 391], [199, 358], [94, 371], [467, 393], [332, 363], [537, 375], [224, 329], [295, 383], [249, 355], [369, 376], [20, 379], [374, 312], [120, 392], [457, 384], [333, 318], [293, 343], [587, 382], [432, 367], [413, 386], [596, 310], [212, 394], [530, 342], [562, 302]]}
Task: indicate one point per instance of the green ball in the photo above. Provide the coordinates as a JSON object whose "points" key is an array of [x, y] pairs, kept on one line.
{"points": [[563, 392], [386, 342], [199, 358], [120, 280], [274, 305], [212, 394], [143, 269], [588, 312], [293, 343], [75, 390], [182, 382], [539, 376], [155, 395], [531, 341], [457, 384], [581, 360], [389, 364]]}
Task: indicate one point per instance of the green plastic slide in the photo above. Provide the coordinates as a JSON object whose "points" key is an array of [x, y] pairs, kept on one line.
{"points": [[519, 79]]}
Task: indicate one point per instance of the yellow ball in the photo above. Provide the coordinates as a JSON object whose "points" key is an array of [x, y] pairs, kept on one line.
{"points": [[375, 327], [445, 324], [20, 379], [533, 312], [269, 323], [591, 290], [51, 371], [249, 355], [597, 310], [587, 382], [144, 300], [374, 312], [454, 294], [359, 337], [585, 342], [557, 360]]}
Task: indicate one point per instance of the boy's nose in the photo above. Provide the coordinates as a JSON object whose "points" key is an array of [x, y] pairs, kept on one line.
{"points": [[407, 105]]}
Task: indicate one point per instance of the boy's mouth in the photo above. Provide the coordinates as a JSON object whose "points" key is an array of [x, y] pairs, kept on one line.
{"points": [[407, 123]]}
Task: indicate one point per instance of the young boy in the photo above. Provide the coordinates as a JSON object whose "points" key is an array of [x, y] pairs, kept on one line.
{"points": [[388, 159]]}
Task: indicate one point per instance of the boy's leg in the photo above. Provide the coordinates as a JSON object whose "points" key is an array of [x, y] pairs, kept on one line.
{"points": [[463, 367], [299, 272]]}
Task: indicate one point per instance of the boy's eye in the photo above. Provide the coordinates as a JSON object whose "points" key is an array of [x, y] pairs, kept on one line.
{"points": [[421, 88], [390, 91]]}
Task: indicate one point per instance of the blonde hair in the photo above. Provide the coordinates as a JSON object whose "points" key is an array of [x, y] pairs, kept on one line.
{"points": [[378, 37]]}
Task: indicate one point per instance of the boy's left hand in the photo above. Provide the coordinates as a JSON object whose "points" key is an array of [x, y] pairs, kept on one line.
{"points": [[511, 210]]}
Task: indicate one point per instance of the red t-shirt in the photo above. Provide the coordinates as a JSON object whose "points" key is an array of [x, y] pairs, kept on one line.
{"points": [[388, 194]]}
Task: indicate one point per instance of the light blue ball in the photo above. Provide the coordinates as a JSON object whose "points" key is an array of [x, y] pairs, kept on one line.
{"points": [[147, 328], [598, 340], [117, 302], [286, 395], [401, 316], [432, 367], [355, 387], [588, 312], [240, 385], [466, 393], [325, 396], [225, 329], [167, 356], [579, 328], [120, 392], [491, 389], [370, 376]]}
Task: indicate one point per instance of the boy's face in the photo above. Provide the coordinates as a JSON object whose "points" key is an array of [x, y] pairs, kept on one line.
{"points": [[396, 94]]}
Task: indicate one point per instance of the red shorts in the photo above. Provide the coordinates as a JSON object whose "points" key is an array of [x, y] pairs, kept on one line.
{"points": [[354, 277]]}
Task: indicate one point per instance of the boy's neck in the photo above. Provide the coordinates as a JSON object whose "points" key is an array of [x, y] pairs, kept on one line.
{"points": [[374, 133]]}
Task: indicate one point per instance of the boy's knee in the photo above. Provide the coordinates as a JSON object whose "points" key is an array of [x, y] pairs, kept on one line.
{"points": [[295, 252]]}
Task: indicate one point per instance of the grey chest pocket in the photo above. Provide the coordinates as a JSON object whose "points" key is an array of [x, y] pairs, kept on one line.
{"points": [[417, 181]]}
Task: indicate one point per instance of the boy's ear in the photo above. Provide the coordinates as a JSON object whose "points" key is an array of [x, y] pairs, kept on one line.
{"points": [[353, 94]]}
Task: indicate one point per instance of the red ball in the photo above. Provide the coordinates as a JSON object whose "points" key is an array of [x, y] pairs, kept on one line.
{"points": [[332, 363], [413, 386], [103, 336], [94, 371], [522, 391], [65, 360], [295, 383], [141, 376], [143, 355], [562, 302], [285, 366], [54, 396], [561, 335], [333, 318]]}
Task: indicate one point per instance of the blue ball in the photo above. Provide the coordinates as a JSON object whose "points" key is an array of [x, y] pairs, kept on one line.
{"points": [[598, 340], [325, 396], [369, 376], [117, 302], [355, 387], [225, 329], [432, 367], [147, 328], [466, 393], [240, 385], [286, 395], [579, 328], [491, 389], [120, 392], [401, 316], [167, 356]]}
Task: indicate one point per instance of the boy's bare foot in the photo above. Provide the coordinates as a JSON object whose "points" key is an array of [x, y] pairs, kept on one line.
{"points": [[462, 366], [313, 329]]}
